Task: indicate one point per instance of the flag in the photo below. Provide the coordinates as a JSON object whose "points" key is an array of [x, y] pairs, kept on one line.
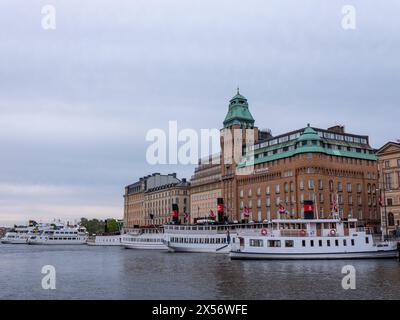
{"points": [[212, 215], [380, 200], [246, 212], [334, 204], [282, 209]]}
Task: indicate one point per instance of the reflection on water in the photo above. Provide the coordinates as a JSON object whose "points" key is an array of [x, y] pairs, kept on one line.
{"points": [[116, 273]]}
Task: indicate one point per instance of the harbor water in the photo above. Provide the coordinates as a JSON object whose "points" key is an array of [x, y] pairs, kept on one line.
{"points": [[84, 272]]}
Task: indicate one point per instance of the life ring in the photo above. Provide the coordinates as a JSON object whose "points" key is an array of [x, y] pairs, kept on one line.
{"points": [[303, 232], [332, 232], [264, 232]]}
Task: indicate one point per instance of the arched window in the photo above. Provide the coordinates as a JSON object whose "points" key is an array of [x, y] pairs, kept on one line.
{"points": [[391, 219]]}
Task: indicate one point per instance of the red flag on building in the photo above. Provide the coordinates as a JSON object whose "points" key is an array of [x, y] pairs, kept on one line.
{"points": [[282, 209], [334, 204], [246, 211], [212, 215]]}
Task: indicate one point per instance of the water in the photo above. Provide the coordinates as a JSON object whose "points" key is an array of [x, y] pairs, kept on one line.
{"points": [[115, 273]]}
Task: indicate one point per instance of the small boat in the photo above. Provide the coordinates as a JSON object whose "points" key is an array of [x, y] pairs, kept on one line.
{"points": [[311, 239], [149, 238], [204, 236]]}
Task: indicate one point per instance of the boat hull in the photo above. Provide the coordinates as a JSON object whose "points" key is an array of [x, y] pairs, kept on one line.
{"points": [[139, 246], [19, 241], [384, 254], [57, 242], [225, 249]]}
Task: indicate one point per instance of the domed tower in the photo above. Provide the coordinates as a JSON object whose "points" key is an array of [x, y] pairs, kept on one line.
{"points": [[239, 113], [238, 133]]}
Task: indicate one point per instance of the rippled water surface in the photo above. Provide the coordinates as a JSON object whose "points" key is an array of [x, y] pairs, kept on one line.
{"points": [[84, 272]]}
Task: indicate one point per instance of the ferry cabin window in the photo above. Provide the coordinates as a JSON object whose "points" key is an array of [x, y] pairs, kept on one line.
{"points": [[328, 243], [352, 242], [303, 243], [274, 243], [289, 243], [312, 243], [336, 243], [256, 243], [344, 242], [320, 243], [366, 240]]}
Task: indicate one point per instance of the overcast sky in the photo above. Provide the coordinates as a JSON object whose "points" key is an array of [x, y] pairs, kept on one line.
{"points": [[76, 102]]}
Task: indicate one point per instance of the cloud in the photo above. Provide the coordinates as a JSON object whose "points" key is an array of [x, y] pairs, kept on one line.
{"points": [[76, 103]]}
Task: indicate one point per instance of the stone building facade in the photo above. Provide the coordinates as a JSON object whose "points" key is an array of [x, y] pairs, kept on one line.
{"points": [[389, 182], [205, 187], [149, 200]]}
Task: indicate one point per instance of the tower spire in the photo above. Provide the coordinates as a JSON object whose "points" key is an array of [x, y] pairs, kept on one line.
{"points": [[238, 90]]}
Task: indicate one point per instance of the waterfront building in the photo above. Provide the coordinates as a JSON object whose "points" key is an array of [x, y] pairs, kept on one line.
{"points": [[205, 187], [389, 186], [149, 200], [277, 174], [159, 200]]}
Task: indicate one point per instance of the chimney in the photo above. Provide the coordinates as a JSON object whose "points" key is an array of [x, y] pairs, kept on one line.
{"points": [[338, 129]]}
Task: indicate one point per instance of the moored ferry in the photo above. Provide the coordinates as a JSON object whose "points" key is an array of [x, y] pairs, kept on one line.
{"points": [[21, 234], [61, 236], [149, 238], [205, 236], [105, 240], [311, 239]]}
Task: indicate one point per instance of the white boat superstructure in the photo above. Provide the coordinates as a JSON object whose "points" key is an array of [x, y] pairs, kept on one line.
{"points": [[214, 238], [21, 234], [60, 236], [150, 238], [105, 240], [310, 239]]}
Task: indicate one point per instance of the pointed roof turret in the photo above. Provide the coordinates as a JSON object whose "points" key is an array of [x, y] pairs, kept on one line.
{"points": [[239, 112]]}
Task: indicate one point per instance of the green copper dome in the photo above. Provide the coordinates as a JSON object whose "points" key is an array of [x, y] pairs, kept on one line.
{"points": [[239, 112], [309, 134]]}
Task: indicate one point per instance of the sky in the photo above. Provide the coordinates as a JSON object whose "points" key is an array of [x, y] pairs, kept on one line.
{"points": [[76, 102]]}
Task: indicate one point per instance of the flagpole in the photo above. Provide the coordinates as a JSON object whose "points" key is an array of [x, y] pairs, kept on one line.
{"points": [[384, 204]]}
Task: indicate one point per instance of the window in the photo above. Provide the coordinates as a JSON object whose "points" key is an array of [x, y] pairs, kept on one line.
{"points": [[388, 181], [366, 240], [303, 243], [256, 243], [320, 243], [274, 243], [349, 188], [312, 243], [391, 219], [387, 164], [328, 243], [277, 188], [352, 242], [389, 202], [289, 243], [311, 184], [336, 242]]}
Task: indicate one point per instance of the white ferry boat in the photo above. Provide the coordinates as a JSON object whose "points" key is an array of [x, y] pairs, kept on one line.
{"points": [[105, 240], [144, 238], [21, 234], [60, 235], [206, 236], [310, 239]]}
